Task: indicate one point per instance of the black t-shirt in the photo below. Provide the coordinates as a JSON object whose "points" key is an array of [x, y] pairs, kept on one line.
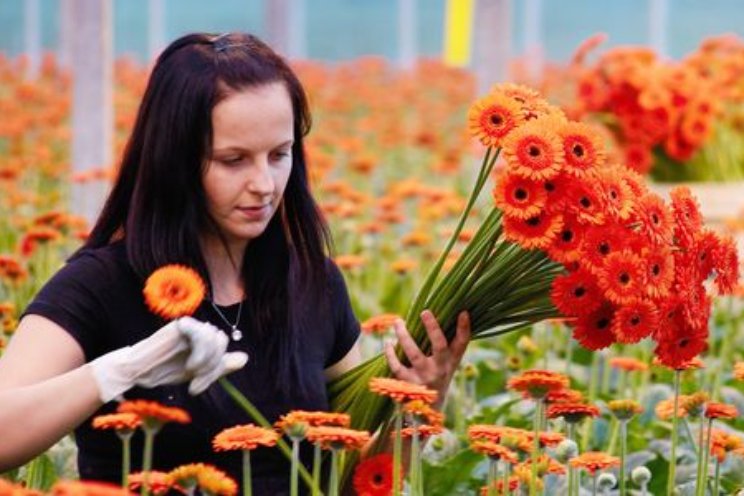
{"points": [[97, 298]]}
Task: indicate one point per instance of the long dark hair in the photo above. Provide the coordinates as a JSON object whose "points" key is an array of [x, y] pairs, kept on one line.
{"points": [[157, 203]]}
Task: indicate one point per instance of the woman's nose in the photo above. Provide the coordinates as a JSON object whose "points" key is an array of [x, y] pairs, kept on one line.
{"points": [[260, 180]]}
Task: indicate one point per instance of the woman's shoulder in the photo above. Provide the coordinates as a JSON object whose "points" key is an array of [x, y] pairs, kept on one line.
{"points": [[108, 261]]}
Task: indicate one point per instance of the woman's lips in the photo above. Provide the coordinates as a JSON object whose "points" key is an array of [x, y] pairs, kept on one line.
{"points": [[254, 213]]}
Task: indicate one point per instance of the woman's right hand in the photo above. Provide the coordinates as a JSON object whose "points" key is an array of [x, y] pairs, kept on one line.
{"points": [[183, 350]]}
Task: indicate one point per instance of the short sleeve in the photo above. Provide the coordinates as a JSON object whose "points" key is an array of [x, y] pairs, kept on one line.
{"points": [[345, 324], [74, 299]]}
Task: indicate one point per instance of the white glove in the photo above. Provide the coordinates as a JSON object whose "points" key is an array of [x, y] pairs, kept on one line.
{"points": [[182, 350]]}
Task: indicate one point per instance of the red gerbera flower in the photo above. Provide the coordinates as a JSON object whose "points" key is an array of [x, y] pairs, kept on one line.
{"points": [[726, 264], [687, 217], [536, 232], [678, 343], [557, 189], [583, 149], [622, 277], [601, 241], [615, 193], [659, 265], [567, 245], [594, 331], [519, 197], [533, 150], [635, 321], [374, 476], [585, 201], [576, 293], [654, 219]]}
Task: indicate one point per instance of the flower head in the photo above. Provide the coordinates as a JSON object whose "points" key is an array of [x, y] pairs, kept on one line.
{"points": [[572, 412], [492, 118], [625, 409], [494, 451], [153, 414], [628, 364], [206, 477], [174, 291], [244, 437], [534, 150], [592, 461], [157, 482], [117, 421], [338, 437], [401, 391], [538, 383], [86, 488], [720, 410], [374, 476]]}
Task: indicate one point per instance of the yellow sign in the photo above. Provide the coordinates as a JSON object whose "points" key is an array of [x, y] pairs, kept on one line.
{"points": [[458, 32]]}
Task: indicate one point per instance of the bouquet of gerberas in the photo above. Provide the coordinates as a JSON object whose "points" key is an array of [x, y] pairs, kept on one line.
{"points": [[567, 234]]}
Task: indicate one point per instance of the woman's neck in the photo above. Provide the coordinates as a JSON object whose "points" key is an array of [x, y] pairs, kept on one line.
{"points": [[225, 267]]}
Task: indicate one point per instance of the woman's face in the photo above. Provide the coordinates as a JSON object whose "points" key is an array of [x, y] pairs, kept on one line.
{"points": [[245, 177]]}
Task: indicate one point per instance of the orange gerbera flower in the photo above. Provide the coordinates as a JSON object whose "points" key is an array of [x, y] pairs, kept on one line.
{"points": [[659, 266], [244, 437], [616, 195], [594, 331], [374, 476], [86, 488], [494, 451], [635, 321], [492, 118], [117, 421], [349, 262], [654, 219], [379, 324], [423, 412], [7, 488], [537, 232], [508, 436], [599, 242], [157, 482], [622, 278], [564, 396], [537, 383], [206, 477], [592, 461], [534, 150], [401, 391], [585, 201], [518, 196], [330, 437], [545, 465], [152, 412], [720, 410], [313, 419], [625, 409], [576, 293], [628, 364], [566, 247], [739, 371], [423, 431], [583, 149], [512, 483], [174, 291], [665, 408], [572, 412], [550, 439]]}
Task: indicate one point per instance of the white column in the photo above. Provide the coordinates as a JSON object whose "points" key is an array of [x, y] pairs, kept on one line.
{"points": [[298, 30], [155, 28], [32, 37], [492, 46], [65, 27], [533, 44], [92, 104], [407, 33], [658, 17], [278, 22]]}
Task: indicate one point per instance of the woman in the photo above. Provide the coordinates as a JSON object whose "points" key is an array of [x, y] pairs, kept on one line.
{"points": [[213, 177]]}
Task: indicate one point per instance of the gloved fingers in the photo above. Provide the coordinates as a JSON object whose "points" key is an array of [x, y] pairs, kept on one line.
{"points": [[229, 362], [207, 353]]}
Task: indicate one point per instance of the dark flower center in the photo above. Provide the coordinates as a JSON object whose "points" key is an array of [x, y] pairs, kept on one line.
{"points": [[585, 202], [579, 292], [655, 218], [635, 320], [497, 119], [567, 236], [533, 222], [533, 151], [656, 270], [604, 248], [578, 150], [624, 278], [603, 322], [520, 194], [378, 479]]}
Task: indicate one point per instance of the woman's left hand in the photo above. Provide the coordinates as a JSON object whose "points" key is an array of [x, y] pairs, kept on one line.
{"points": [[434, 371]]}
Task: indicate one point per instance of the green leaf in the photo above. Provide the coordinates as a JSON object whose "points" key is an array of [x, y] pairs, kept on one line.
{"points": [[443, 479], [40, 473]]}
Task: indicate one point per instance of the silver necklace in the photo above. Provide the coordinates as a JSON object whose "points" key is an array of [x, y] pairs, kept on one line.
{"points": [[235, 333]]}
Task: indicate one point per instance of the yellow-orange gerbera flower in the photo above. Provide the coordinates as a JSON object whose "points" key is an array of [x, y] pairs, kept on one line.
{"points": [[117, 421], [492, 118], [519, 197], [153, 412], [401, 391], [379, 324], [538, 383], [206, 477], [86, 488], [157, 482], [512, 483], [592, 461], [423, 412], [313, 419], [494, 451], [665, 408], [174, 291], [628, 364], [244, 437], [739, 371], [625, 409], [622, 277], [695, 403], [534, 151], [331, 437]]}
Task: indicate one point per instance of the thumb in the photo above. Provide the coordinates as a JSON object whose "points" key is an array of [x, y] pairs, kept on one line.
{"points": [[233, 361], [230, 363]]}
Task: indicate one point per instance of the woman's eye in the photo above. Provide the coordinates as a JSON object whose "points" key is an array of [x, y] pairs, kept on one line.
{"points": [[281, 155], [231, 160]]}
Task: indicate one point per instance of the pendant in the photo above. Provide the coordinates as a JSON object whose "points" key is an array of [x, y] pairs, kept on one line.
{"points": [[236, 333]]}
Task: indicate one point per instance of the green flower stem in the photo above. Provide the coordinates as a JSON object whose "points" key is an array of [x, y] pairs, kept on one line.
{"points": [[397, 450], [256, 415], [570, 429], [126, 455], [675, 435], [623, 452], [150, 431], [491, 481], [593, 383], [701, 483], [505, 489], [536, 445], [316, 469], [247, 479], [613, 436], [333, 487], [717, 482], [594, 484], [415, 470], [293, 481]]}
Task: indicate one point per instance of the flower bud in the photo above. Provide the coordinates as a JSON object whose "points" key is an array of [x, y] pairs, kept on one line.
{"points": [[470, 371], [640, 475], [526, 345], [606, 481], [566, 450]]}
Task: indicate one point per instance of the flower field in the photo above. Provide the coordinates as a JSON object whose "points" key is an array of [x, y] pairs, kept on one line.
{"points": [[609, 350]]}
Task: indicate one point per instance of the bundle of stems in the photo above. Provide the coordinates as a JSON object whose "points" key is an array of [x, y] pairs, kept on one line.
{"points": [[503, 287]]}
